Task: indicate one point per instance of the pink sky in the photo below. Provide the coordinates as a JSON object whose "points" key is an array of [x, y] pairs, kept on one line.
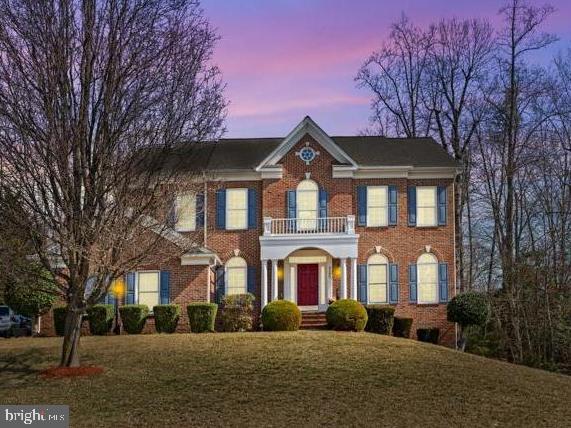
{"points": [[284, 59]]}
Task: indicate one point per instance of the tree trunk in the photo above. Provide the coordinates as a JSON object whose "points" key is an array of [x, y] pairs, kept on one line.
{"points": [[36, 325], [70, 349]]}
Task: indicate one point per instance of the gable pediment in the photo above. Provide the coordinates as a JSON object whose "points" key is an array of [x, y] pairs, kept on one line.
{"points": [[306, 127]]}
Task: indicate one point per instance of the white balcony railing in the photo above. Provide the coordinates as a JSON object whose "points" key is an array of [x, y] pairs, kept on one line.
{"points": [[300, 226]]}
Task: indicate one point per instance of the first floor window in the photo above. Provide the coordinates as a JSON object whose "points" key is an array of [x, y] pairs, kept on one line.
{"points": [[186, 212], [236, 276], [148, 288], [307, 205], [377, 206], [236, 209], [377, 278], [427, 276], [426, 206]]}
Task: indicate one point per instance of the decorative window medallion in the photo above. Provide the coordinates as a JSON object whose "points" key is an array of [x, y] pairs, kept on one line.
{"points": [[307, 154]]}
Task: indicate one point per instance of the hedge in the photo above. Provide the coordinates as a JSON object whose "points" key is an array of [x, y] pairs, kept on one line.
{"points": [[100, 319], [468, 308], [201, 316], [429, 335], [347, 315], [380, 319], [59, 314], [401, 327], [237, 312], [281, 315], [134, 317], [166, 317]]}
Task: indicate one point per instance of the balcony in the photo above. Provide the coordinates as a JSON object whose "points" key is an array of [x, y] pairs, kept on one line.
{"points": [[300, 226]]}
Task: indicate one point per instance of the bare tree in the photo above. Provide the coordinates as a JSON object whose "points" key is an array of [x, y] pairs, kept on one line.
{"points": [[95, 97], [395, 76]]}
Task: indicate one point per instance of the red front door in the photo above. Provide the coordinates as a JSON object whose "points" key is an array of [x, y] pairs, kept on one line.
{"points": [[307, 283]]}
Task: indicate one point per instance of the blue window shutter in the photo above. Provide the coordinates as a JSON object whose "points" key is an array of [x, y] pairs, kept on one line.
{"points": [[443, 282], [393, 283], [130, 280], [441, 191], [393, 213], [221, 209], [252, 209], [109, 298], [164, 286], [362, 281], [220, 284], [200, 210], [412, 283], [323, 198], [411, 200], [252, 280], [361, 205], [291, 205]]}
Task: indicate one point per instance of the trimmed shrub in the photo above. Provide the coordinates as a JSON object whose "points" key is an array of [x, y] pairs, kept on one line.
{"points": [[166, 318], [281, 315], [100, 319], [380, 319], [237, 312], [401, 327], [59, 314], [347, 315], [201, 316], [468, 309], [429, 335], [134, 317]]}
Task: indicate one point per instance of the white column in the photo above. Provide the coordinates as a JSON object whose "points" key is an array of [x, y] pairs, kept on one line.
{"points": [[354, 278], [329, 281], [343, 278], [274, 279], [264, 293]]}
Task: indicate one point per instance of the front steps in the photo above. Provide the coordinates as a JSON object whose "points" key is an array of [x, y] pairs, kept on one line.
{"points": [[313, 320]]}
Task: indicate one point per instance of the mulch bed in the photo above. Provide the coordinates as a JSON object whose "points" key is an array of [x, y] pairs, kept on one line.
{"points": [[66, 372]]}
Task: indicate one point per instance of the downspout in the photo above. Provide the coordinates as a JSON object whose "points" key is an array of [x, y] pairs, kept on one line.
{"points": [[454, 253], [205, 208]]}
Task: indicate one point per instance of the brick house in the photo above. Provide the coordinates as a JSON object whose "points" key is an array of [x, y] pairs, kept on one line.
{"points": [[311, 218]]}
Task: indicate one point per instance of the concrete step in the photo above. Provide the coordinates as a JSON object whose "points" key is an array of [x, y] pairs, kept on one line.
{"points": [[313, 320]]}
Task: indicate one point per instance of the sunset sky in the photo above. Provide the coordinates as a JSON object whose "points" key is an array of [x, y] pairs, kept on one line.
{"points": [[284, 59]]}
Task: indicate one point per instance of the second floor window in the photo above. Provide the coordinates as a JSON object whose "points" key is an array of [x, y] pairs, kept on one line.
{"points": [[426, 204], [236, 209], [377, 206], [186, 212], [307, 205]]}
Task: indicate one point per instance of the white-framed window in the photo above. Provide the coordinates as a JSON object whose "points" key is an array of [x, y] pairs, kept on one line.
{"points": [[307, 200], [427, 277], [377, 206], [236, 276], [148, 288], [236, 209], [426, 206], [186, 212], [377, 278]]}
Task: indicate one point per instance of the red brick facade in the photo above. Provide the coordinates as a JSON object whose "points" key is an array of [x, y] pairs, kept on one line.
{"points": [[401, 244]]}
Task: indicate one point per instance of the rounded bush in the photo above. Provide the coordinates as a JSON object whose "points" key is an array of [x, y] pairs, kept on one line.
{"points": [[346, 315], [59, 314], [281, 315], [468, 309], [100, 319], [429, 335], [380, 319], [134, 317], [201, 317], [401, 327], [166, 318]]}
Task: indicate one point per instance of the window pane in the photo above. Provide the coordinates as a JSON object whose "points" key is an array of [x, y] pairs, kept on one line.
{"points": [[377, 273], [186, 212], [377, 217], [149, 299], [376, 196], [236, 219], [426, 216], [236, 199], [428, 283], [377, 293], [148, 282], [236, 280], [307, 200], [428, 293], [426, 196]]}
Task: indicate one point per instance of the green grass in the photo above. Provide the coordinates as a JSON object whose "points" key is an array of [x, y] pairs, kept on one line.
{"points": [[279, 379]]}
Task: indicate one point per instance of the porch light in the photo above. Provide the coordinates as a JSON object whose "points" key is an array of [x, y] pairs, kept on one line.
{"points": [[280, 272], [337, 271]]}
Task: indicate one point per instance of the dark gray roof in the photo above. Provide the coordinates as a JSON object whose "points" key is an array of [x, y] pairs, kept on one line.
{"points": [[247, 153]]}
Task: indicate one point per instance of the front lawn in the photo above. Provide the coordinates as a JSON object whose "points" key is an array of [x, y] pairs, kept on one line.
{"points": [[278, 379]]}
